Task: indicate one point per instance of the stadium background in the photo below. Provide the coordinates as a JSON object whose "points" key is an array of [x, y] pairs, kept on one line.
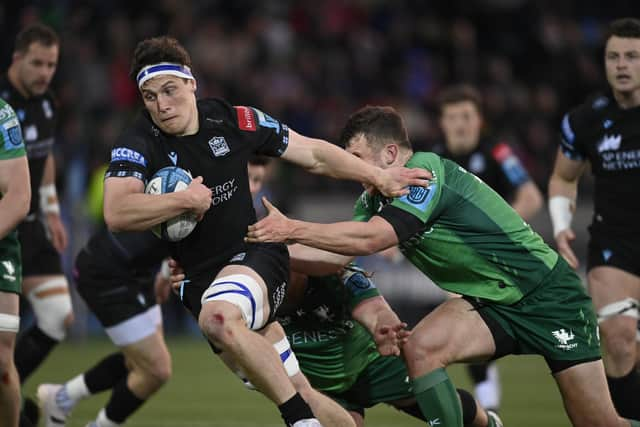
{"points": [[311, 63]]}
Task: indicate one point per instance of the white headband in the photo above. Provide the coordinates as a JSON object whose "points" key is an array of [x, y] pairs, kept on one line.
{"points": [[163, 68]]}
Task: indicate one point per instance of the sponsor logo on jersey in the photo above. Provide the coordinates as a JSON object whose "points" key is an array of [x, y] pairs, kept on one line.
{"points": [[173, 156], [246, 120], [46, 108], [122, 154], [609, 143], [564, 339], [219, 146], [417, 195], [267, 121], [223, 192]]}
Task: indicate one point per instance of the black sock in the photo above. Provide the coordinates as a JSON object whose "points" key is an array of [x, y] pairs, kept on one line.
{"points": [[478, 372], [624, 393], [122, 403], [106, 373], [469, 406], [295, 409], [32, 346], [468, 403]]}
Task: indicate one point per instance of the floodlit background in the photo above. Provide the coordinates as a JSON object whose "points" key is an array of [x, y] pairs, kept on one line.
{"points": [[310, 63]]}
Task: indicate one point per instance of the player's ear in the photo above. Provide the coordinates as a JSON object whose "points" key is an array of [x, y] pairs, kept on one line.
{"points": [[390, 154], [193, 85]]}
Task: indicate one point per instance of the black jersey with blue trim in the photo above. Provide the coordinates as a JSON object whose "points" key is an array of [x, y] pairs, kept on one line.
{"points": [[607, 136], [227, 138], [494, 163], [37, 116]]}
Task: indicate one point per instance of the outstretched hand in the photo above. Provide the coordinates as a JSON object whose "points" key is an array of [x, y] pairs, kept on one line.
{"points": [[390, 338], [395, 182], [274, 227]]}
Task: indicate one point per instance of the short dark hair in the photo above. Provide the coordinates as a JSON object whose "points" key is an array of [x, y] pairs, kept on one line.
{"points": [[625, 28], [33, 33], [158, 49], [460, 93], [257, 160], [380, 125]]}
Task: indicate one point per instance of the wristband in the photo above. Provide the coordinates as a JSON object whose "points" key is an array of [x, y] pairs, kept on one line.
{"points": [[561, 211], [49, 199]]}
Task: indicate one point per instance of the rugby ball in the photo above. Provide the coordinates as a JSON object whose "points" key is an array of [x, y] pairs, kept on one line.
{"points": [[168, 180]]}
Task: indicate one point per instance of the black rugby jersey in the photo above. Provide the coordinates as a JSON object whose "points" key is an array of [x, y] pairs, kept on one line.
{"points": [[496, 164], [600, 132], [227, 138], [37, 116]]}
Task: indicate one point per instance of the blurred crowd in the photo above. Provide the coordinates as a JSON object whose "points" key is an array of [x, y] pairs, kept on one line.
{"points": [[310, 63]]}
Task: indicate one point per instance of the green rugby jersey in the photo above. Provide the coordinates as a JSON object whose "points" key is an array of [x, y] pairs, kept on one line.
{"points": [[331, 347], [469, 240], [11, 144]]}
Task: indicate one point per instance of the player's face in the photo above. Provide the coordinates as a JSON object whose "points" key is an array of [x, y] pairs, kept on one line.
{"points": [[622, 64], [171, 102], [256, 178], [359, 147], [36, 67], [461, 124]]}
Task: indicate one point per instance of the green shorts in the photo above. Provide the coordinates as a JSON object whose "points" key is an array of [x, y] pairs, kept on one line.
{"points": [[556, 320], [10, 264], [384, 380]]}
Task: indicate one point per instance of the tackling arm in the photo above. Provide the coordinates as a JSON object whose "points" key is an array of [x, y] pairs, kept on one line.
{"points": [[316, 262], [528, 200], [15, 186]]}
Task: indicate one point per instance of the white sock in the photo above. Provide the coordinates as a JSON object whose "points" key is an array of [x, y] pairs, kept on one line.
{"points": [[77, 389], [488, 391], [103, 421]]}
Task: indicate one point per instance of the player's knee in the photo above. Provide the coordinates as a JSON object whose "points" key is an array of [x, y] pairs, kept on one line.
{"points": [[232, 301], [51, 303], [618, 339], [160, 373], [218, 320]]}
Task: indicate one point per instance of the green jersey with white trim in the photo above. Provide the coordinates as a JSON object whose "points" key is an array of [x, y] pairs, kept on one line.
{"points": [[11, 145], [463, 235], [331, 347]]}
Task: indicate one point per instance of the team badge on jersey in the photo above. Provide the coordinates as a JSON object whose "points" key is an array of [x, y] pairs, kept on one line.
{"points": [[219, 146], [417, 195]]}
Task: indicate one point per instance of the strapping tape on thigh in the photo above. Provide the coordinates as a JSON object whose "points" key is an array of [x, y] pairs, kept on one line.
{"points": [[243, 292], [287, 356], [626, 307], [9, 323]]}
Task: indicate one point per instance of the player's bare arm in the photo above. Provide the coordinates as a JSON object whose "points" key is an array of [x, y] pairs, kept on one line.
{"points": [[528, 200], [15, 188], [563, 189], [127, 207], [51, 207], [316, 262], [347, 238], [383, 323], [320, 157]]}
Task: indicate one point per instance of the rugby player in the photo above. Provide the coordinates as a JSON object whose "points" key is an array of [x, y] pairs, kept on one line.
{"points": [[462, 122], [115, 273], [604, 132], [234, 289], [519, 296], [26, 88], [15, 194]]}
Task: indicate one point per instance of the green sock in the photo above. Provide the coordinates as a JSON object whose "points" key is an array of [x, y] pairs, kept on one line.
{"points": [[438, 399], [634, 423]]}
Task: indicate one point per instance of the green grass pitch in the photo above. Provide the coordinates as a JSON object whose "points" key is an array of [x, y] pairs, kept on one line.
{"points": [[203, 393]]}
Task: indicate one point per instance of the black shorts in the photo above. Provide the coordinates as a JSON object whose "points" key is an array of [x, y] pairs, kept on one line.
{"points": [[39, 257], [269, 260], [614, 250], [113, 299]]}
